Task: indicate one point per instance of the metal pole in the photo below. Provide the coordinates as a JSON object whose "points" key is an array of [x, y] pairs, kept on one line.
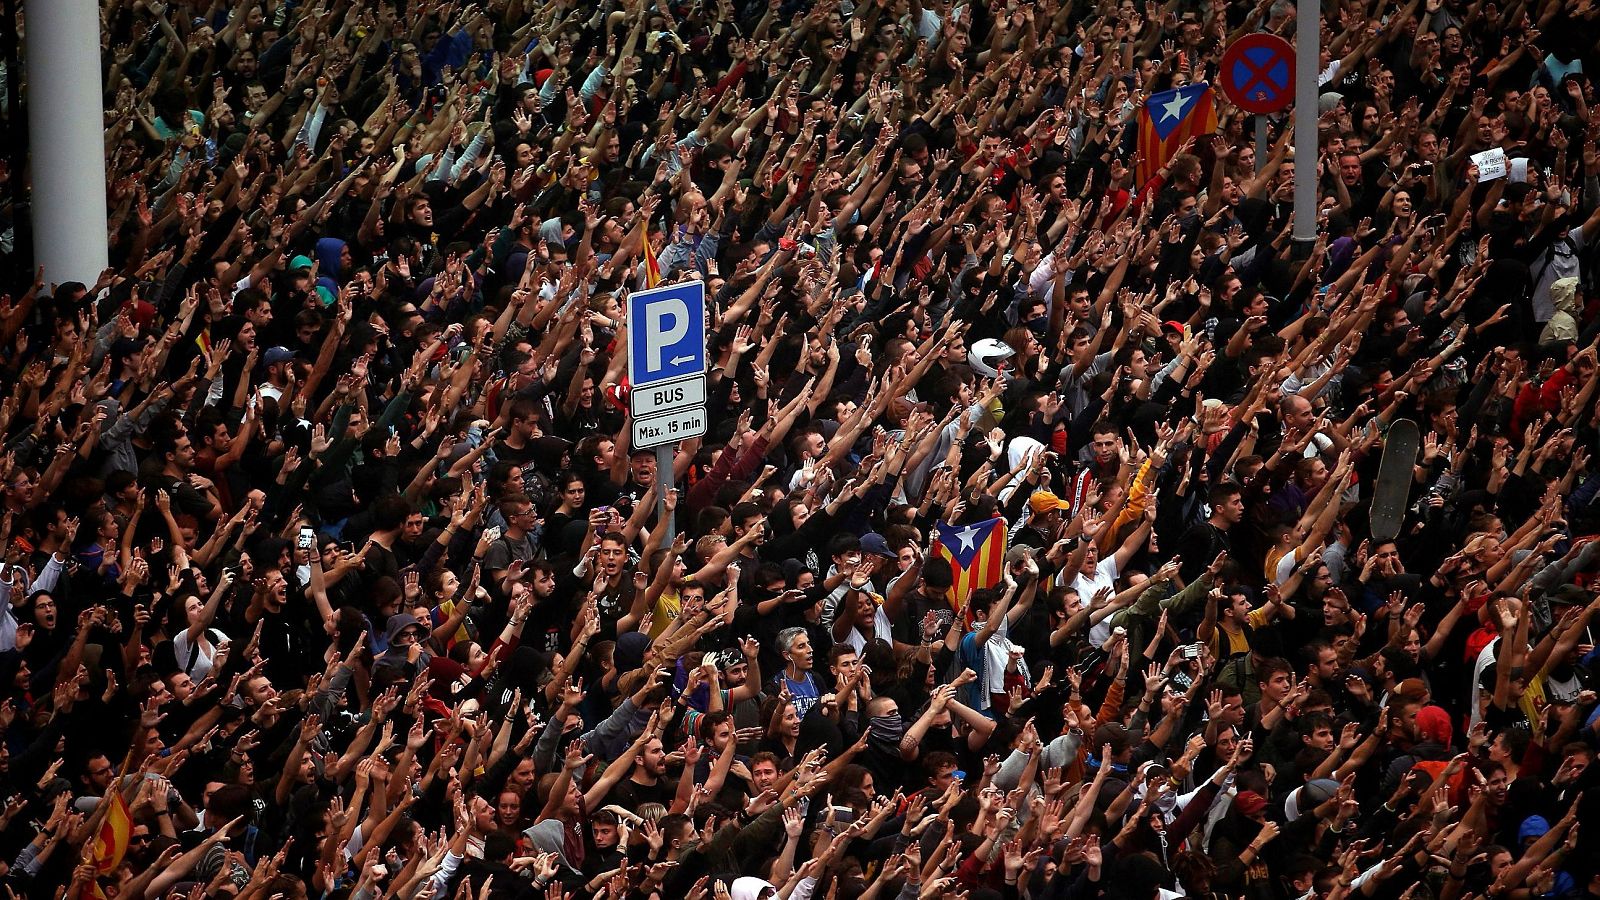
{"points": [[1307, 50], [1261, 142], [664, 481], [68, 139]]}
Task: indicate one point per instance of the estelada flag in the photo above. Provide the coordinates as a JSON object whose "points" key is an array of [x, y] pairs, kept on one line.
{"points": [[1170, 118], [977, 554]]}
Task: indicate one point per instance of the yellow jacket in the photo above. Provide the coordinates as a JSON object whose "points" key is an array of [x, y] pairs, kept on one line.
{"points": [[1138, 495]]}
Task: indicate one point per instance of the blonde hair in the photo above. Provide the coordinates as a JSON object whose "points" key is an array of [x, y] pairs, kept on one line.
{"points": [[1475, 542]]}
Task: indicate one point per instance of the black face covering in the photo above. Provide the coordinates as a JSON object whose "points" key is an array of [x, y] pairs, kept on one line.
{"points": [[886, 731]]}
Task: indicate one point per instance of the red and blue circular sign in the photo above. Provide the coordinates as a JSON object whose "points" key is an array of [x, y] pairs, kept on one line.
{"points": [[1258, 73]]}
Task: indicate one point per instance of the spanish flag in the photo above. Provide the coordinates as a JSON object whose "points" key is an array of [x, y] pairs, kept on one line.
{"points": [[110, 843], [1167, 120], [977, 554], [112, 840], [652, 267]]}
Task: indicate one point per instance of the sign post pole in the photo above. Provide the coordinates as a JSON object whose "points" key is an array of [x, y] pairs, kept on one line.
{"points": [[664, 480], [1261, 142], [1307, 37]]}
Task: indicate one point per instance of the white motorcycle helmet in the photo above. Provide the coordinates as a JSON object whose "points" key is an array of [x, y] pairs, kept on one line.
{"points": [[988, 355]]}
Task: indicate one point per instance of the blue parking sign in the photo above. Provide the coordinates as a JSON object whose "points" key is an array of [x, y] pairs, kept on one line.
{"points": [[666, 333]]}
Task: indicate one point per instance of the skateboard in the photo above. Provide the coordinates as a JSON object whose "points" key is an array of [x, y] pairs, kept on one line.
{"points": [[1393, 489]]}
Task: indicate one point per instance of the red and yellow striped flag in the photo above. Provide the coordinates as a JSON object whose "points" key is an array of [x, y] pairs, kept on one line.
{"points": [[652, 267], [112, 840], [1170, 118], [110, 844], [977, 555]]}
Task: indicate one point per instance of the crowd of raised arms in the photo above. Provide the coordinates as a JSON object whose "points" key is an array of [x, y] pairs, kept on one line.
{"points": [[330, 570]]}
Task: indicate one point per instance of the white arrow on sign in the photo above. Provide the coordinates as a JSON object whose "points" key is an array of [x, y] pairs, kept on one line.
{"points": [[679, 360]]}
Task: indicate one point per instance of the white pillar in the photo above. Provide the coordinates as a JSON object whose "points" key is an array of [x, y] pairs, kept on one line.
{"points": [[1307, 41], [66, 136]]}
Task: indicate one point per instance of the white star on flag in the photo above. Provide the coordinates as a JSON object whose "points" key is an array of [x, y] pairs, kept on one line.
{"points": [[1173, 109], [966, 536]]}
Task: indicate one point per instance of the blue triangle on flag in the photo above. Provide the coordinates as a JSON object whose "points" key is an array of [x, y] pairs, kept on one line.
{"points": [[1169, 109]]}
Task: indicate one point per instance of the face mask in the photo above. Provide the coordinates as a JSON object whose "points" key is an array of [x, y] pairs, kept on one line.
{"points": [[887, 729], [1039, 325], [1167, 801]]}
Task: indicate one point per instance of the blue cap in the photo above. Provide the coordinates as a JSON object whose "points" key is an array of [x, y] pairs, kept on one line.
{"points": [[873, 543]]}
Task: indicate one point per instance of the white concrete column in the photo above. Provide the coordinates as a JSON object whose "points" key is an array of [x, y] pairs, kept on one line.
{"points": [[66, 138]]}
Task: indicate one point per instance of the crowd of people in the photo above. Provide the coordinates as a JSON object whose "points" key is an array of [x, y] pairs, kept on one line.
{"points": [[331, 570]]}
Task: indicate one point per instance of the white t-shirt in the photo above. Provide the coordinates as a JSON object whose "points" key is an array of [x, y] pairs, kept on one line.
{"points": [[999, 656], [182, 649], [1486, 656], [1105, 576], [1286, 564]]}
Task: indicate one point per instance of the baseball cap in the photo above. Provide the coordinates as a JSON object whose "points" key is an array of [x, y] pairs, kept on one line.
{"points": [[1309, 796], [873, 542], [278, 354], [1249, 802], [140, 312], [1152, 769], [300, 264], [1044, 501], [1532, 828], [1412, 689], [726, 658], [1329, 101]]}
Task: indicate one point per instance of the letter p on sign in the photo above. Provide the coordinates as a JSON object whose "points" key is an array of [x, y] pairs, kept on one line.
{"points": [[661, 336]]}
